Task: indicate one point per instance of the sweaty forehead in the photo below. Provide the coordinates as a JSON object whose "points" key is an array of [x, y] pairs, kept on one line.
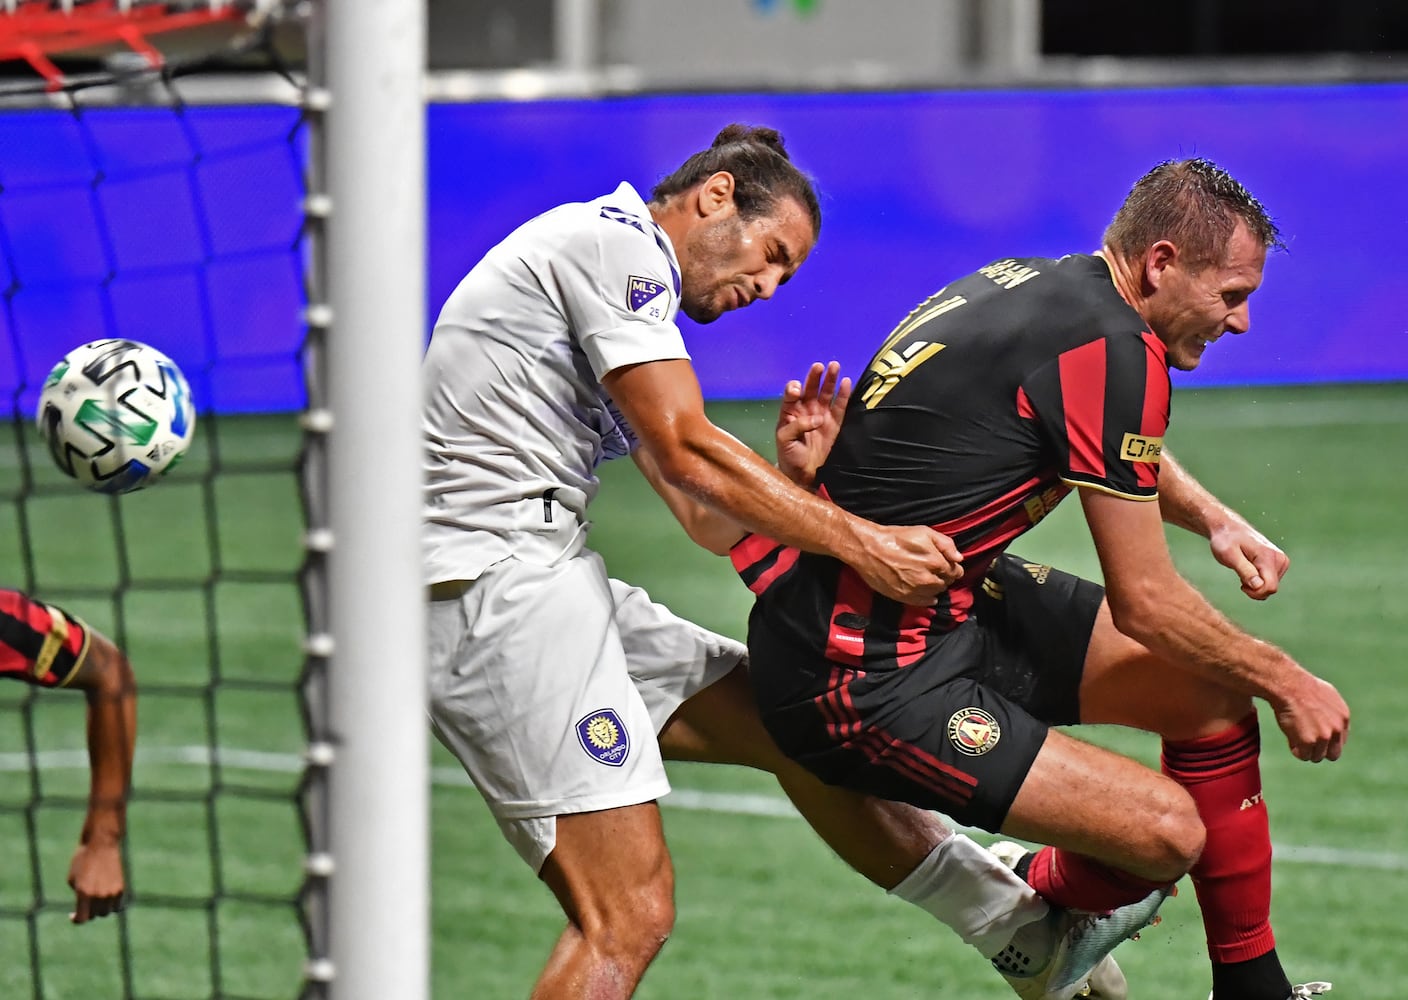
{"points": [[788, 224], [1246, 257]]}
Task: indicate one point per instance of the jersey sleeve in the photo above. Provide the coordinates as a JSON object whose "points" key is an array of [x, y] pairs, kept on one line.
{"points": [[1103, 407], [620, 292], [39, 644]]}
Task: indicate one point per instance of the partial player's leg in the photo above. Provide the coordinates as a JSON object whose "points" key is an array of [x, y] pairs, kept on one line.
{"points": [[1097, 803], [1211, 746], [948, 875], [698, 691], [530, 691], [610, 870], [904, 849]]}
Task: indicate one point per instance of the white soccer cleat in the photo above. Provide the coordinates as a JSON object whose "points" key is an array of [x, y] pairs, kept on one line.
{"points": [[1106, 982], [1067, 955], [1039, 949]]}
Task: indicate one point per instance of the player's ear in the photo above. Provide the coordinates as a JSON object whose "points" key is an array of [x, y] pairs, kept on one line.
{"points": [[1157, 260], [716, 194]]}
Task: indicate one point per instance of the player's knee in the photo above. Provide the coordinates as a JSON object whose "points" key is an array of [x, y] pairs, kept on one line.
{"points": [[1175, 833], [654, 919], [635, 925]]}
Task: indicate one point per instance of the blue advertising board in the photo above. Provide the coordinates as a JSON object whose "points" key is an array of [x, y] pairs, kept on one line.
{"points": [[182, 230]]}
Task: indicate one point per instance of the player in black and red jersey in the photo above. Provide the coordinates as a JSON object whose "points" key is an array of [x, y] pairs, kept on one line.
{"points": [[46, 646], [982, 410]]}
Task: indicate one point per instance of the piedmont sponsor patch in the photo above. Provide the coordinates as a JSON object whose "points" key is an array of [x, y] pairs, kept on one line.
{"points": [[973, 731], [603, 736], [1138, 448]]}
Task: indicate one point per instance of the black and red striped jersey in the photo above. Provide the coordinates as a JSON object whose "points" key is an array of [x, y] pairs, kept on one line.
{"points": [[978, 414], [39, 644]]}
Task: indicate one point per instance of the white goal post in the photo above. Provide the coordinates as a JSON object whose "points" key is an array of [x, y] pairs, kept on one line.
{"points": [[372, 67]]}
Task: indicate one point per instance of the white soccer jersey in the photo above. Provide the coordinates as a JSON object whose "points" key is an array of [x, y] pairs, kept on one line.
{"points": [[514, 406]]}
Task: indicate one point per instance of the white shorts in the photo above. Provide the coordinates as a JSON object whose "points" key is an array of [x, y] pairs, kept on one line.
{"points": [[549, 684]]}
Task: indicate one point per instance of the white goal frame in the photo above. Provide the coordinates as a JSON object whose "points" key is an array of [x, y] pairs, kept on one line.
{"points": [[367, 63]]}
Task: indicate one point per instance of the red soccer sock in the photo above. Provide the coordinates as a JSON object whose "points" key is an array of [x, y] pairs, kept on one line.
{"points": [[1078, 882], [1233, 877]]}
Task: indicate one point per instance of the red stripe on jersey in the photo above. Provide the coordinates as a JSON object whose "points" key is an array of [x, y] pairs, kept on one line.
{"points": [[1001, 533], [1159, 348], [913, 639], [1154, 421], [1025, 410], [1083, 399], [754, 549], [957, 601], [25, 627], [750, 550], [19, 607], [987, 510], [960, 602], [785, 561], [846, 643]]}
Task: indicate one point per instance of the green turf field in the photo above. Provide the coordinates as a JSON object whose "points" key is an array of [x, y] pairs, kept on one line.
{"points": [[200, 586]]}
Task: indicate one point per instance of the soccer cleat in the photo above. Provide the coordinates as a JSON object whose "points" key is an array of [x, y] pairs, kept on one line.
{"points": [[1303, 992], [1106, 982], [1045, 947], [1068, 954]]}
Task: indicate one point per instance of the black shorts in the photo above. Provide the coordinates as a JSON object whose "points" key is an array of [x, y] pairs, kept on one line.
{"points": [[957, 730]]}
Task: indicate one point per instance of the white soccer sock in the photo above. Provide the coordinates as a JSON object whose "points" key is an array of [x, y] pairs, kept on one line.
{"points": [[972, 892]]}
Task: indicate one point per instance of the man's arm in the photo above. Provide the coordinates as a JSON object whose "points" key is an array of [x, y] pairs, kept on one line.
{"points": [[705, 526], [95, 874], [662, 403], [808, 421], [1256, 560], [1151, 603]]}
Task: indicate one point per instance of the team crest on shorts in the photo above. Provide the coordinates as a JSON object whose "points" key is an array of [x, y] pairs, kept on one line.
{"points": [[603, 736], [973, 731]]}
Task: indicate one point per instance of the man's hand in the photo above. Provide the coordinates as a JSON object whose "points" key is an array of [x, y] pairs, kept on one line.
{"points": [[1315, 720], [1258, 562], [95, 876], [911, 564], [809, 420]]}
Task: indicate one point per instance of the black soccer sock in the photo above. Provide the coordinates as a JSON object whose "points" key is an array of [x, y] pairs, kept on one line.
{"points": [[1024, 865], [1260, 978]]}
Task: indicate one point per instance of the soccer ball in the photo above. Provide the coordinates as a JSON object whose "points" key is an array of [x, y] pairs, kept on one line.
{"points": [[117, 415]]}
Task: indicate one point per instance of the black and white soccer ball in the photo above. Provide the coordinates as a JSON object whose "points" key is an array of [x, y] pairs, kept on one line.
{"points": [[117, 415]]}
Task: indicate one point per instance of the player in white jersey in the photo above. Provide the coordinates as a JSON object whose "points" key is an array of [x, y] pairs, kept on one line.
{"points": [[559, 688]]}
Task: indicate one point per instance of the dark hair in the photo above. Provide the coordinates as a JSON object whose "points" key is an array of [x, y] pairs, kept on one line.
{"points": [[1195, 205], [762, 173]]}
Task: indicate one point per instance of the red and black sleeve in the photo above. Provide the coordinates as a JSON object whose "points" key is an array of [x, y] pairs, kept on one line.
{"points": [[1103, 407], [39, 644]]}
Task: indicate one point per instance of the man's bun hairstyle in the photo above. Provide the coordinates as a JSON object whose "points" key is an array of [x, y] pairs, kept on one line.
{"points": [[762, 172]]}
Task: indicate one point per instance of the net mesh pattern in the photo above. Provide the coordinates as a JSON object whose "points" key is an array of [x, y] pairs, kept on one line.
{"points": [[184, 227]]}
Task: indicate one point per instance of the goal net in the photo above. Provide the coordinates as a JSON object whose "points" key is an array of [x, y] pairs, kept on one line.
{"points": [[153, 186]]}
